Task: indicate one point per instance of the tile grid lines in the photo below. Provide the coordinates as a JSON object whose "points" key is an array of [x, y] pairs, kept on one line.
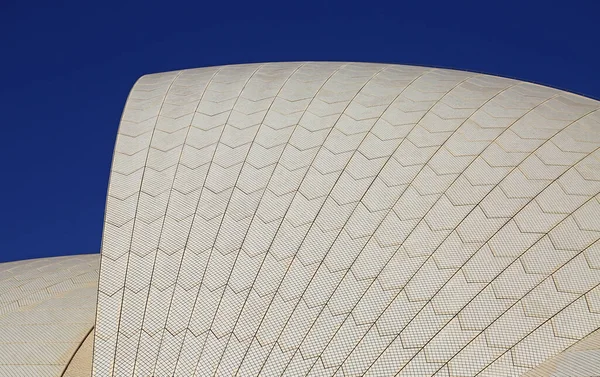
{"points": [[266, 188], [330, 130], [10, 267], [37, 334], [539, 326], [34, 265], [475, 206], [100, 266], [544, 368], [187, 239], [233, 191], [75, 351], [517, 260], [557, 132], [16, 300], [353, 211], [221, 222], [168, 199], [202, 189], [523, 155], [135, 218], [391, 208], [462, 221], [301, 297], [46, 285], [310, 164]]}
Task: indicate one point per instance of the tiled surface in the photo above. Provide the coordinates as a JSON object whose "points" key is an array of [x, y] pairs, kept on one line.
{"points": [[81, 363], [348, 219], [47, 308], [581, 359]]}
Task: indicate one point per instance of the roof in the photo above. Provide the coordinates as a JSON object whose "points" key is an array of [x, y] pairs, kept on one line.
{"points": [[47, 308], [319, 218], [346, 217]]}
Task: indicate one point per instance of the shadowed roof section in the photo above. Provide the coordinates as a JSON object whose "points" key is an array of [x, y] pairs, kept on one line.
{"points": [[348, 219], [47, 308]]}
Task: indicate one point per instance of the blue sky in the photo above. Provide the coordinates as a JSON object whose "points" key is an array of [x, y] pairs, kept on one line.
{"points": [[68, 66]]}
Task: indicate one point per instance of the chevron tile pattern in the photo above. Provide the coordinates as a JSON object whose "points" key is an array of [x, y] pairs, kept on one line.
{"points": [[577, 360], [349, 219], [46, 310]]}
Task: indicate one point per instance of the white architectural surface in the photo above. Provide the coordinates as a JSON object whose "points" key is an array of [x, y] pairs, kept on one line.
{"points": [[348, 219], [47, 308], [580, 359]]}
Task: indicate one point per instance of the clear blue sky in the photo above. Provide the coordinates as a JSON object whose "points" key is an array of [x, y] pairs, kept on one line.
{"points": [[67, 67]]}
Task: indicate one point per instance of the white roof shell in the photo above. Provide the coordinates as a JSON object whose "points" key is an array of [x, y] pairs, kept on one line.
{"points": [[47, 308], [350, 219]]}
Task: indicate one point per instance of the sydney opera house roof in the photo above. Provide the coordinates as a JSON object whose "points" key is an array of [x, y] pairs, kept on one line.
{"points": [[329, 219]]}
